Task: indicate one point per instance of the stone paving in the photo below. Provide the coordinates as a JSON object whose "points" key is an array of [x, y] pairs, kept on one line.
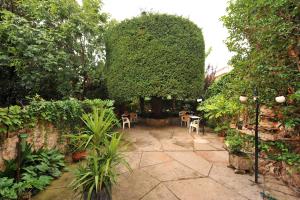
{"points": [[171, 164]]}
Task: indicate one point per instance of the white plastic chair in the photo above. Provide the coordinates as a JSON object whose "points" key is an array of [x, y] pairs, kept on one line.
{"points": [[195, 125], [125, 120]]}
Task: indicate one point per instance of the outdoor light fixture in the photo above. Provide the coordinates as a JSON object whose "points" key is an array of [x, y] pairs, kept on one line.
{"points": [[243, 99], [280, 99]]}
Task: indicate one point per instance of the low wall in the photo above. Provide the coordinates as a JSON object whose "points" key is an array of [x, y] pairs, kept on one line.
{"points": [[42, 135]]}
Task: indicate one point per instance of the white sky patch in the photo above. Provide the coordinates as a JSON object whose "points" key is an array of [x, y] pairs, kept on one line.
{"points": [[205, 13]]}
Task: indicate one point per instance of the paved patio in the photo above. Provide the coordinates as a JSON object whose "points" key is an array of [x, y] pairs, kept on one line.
{"points": [[170, 164]]}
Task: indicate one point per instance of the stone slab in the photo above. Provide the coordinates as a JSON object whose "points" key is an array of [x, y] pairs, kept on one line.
{"points": [[193, 161], [241, 183], [133, 159], [215, 157], [153, 158], [161, 192], [171, 171], [133, 185], [177, 145], [204, 147], [202, 189]]}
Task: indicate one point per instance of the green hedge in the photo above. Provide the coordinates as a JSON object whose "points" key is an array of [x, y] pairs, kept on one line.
{"points": [[155, 55], [63, 114]]}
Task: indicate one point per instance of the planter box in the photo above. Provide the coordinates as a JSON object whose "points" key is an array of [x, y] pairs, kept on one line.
{"points": [[241, 163], [157, 122]]}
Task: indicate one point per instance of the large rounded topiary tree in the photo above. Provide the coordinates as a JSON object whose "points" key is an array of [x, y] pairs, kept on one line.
{"points": [[155, 55]]}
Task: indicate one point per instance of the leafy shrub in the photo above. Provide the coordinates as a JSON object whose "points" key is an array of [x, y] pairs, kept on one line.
{"points": [[8, 188], [280, 151], [234, 141], [220, 110], [63, 114], [38, 169], [238, 143], [15, 118]]}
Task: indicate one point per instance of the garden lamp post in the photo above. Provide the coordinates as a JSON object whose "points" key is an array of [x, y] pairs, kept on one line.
{"points": [[243, 99]]}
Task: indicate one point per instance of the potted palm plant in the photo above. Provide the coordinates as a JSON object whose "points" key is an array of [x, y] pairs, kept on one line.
{"points": [[94, 178]]}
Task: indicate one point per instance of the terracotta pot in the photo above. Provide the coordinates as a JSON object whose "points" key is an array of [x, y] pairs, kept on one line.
{"points": [[79, 155]]}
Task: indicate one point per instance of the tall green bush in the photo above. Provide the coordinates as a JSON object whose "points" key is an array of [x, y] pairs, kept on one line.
{"points": [[155, 55]]}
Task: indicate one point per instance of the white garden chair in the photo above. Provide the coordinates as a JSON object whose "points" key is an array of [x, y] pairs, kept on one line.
{"points": [[195, 125], [125, 120]]}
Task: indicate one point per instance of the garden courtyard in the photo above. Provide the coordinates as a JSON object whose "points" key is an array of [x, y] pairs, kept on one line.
{"points": [[168, 163], [96, 106]]}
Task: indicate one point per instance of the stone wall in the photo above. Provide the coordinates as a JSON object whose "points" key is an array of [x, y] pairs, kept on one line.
{"points": [[42, 135]]}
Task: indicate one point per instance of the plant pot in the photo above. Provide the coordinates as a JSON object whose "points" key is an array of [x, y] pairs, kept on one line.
{"points": [[280, 99], [102, 195], [241, 163], [243, 99], [79, 155]]}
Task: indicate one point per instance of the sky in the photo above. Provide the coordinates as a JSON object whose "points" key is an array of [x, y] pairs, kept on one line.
{"points": [[205, 13]]}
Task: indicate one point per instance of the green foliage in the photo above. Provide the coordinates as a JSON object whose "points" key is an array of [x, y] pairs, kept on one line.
{"points": [[220, 110], [280, 151], [237, 142], [234, 141], [155, 55], [63, 114], [38, 169], [264, 35], [44, 162], [230, 85], [7, 188], [261, 34], [53, 48], [99, 172], [98, 128], [15, 118]]}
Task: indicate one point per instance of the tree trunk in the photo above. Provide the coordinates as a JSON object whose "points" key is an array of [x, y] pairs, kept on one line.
{"points": [[142, 105], [156, 106]]}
